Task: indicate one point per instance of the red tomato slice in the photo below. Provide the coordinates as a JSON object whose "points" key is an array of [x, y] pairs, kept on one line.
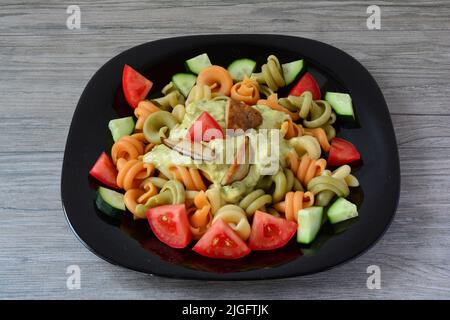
{"points": [[342, 152], [105, 171], [306, 83], [221, 242], [135, 86], [170, 224], [269, 232], [205, 128]]}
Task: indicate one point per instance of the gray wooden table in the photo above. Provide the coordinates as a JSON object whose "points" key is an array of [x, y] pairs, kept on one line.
{"points": [[44, 67]]}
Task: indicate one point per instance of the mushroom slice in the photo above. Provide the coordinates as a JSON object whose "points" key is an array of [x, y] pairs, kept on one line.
{"points": [[240, 166], [195, 150]]}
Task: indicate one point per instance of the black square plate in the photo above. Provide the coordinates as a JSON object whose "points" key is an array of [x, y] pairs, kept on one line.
{"points": [[132, 245]]}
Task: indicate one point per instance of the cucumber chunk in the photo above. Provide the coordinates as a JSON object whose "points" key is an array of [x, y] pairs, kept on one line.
{"points": [[184, 82], [110, 202], [240, 68], [291, 70], [341, 103], [121, 127], [198, 63], [309, 223], [342, 210]]}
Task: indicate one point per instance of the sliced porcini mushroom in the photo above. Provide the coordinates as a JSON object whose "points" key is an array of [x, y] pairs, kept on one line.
{"points": [[238, 115], [240, 166], [195, 150]]}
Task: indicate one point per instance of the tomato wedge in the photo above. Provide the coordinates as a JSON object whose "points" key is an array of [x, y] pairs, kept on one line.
{"points": [[105, 171], [170, 224], [135, 86], [306, 83], [221, 242], [205, 128], [342, 152], [269, 232]]}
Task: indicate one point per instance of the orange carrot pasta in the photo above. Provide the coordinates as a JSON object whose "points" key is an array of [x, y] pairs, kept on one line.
{"points": [[140, 195], [218, 78], [143, 110], [272, 102], [291, 129], [293, 202], [190, 177], [128, 147], [246, 91], [131, 173], [201, 217], [305, 168], [130, 199]]}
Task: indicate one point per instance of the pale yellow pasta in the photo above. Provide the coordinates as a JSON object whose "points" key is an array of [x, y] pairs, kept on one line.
{"points": [[215, 199], [236, 219], [284, 181], [306, 145], [199, 92], [169, 101], [179, 111], [323, 183]]}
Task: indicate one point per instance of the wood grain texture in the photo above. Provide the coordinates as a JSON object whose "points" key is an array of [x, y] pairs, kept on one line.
{"points": [[44, 68]]}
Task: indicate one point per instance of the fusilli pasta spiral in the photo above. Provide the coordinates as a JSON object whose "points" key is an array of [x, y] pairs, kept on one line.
{"points": [[140, 195], [143, 110], [157, 124], [272, 102], [129, 147], [305, 168], [172, 192], [215, 199], [314, 113], [199, 92], [344, 173], [236, 219], [246, 91], [255, 200], [306, 145], [217, 78], [131, 173], [284, 181], [293, 202], [322, 183], [179, 112], [291, 130], [200, 217], [170, 100], [190, 177], [271, 74]]}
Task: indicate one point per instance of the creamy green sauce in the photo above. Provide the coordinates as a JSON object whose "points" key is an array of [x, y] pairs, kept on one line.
{"points": [[161, 155]]}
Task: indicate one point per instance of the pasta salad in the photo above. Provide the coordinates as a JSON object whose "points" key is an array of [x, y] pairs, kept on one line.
{"points": [[223, 164]]}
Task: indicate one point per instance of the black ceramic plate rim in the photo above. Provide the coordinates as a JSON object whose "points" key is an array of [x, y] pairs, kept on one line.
{"points": [[283, 271]]}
